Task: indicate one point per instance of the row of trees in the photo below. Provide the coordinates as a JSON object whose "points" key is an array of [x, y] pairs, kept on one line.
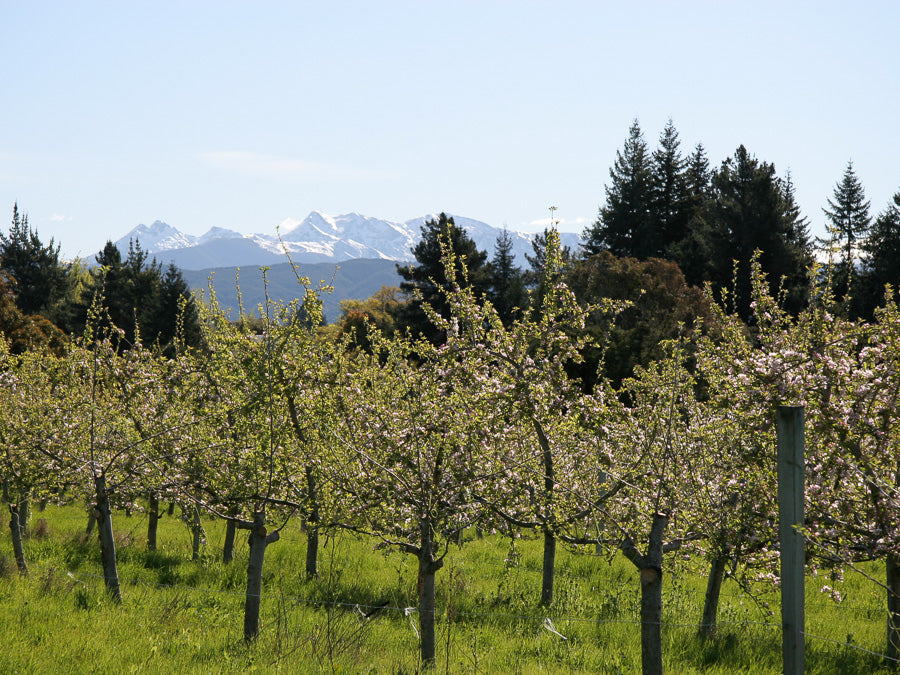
{"points": [[411, 442], [710, 221], [48, 299], [665, 205]]}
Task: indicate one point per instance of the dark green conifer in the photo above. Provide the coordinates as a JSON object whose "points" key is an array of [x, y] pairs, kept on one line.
{"points": [[624, 226], [748, 213], [507, 283], [42, 284], [670, 205], [429, 279], [140, 300], [848, 223], [881, 262]]}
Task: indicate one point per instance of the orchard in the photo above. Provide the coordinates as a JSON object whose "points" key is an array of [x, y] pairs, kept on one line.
{"points": [[424, 449]]}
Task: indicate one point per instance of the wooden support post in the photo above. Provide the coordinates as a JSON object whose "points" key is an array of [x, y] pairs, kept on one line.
{"points": [[790, 421]]}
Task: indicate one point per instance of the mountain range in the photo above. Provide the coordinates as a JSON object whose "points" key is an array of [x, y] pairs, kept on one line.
{"points": [[356, 254], [316, 238]]}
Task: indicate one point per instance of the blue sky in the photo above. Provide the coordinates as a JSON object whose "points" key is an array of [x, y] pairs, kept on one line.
{"points": [[240, 114]]}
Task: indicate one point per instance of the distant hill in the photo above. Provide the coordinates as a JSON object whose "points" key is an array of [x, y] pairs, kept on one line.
{"points": [[351, 279]]}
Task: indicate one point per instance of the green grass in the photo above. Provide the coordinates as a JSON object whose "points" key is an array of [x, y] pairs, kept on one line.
{"points": [[183, 616]]}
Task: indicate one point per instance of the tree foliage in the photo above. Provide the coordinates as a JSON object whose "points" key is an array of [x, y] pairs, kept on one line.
{"points": [[41, 282], [848, 222], [881, 264], [659, 305], [377, 312], [427, 282], [147, 304], [23, 332], [624, 226], [750, 212], [507, 282]]}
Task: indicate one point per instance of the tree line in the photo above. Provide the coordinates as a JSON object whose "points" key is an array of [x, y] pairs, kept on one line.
{"points": [[46, 301], [670, 225]]}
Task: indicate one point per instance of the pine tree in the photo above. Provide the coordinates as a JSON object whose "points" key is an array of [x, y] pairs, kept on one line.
{"points": [[698, 176], [429, 280], [881, 264], [536, 260], [111, 287], [42, 284], [693, 253], [175, 317], [848, 222], [141, 301], [624, 227], [670, 206], [799, 246], [749, 213], [507, 283]]}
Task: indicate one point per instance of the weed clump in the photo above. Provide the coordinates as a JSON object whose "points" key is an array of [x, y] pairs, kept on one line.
{"points": [[7, 567], [50, 583], [41, 530]]}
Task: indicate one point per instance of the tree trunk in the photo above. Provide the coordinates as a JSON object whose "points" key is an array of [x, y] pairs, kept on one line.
{"points": [[152, 521], [650, 568], [92, 520], [651, 621], [171, 510], [24, 516], [259, 540], [15, 530], [549, 568], [893, 603], [428, 566], [312, 551], [198, 533], [711, 603], [312, 525], [6, 491], [107, 543], [311, 521], [651, 599], [228, 547], [549, 537], [42, 505]]}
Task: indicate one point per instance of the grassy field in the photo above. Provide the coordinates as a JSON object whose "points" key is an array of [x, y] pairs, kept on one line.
{"points": [[186, 616]]}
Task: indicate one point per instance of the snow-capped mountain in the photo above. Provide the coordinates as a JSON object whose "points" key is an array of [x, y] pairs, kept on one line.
{"points": [[316, 238], [161, 236], [157, 237]]}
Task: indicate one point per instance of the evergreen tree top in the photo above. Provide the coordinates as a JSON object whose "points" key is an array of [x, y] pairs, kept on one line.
{"points": [[41, 280], [848, 213]]}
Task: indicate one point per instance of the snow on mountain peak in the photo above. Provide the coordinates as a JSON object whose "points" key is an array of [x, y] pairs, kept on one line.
{"points": [[218, 233], [317, 238], [159, 236]]}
